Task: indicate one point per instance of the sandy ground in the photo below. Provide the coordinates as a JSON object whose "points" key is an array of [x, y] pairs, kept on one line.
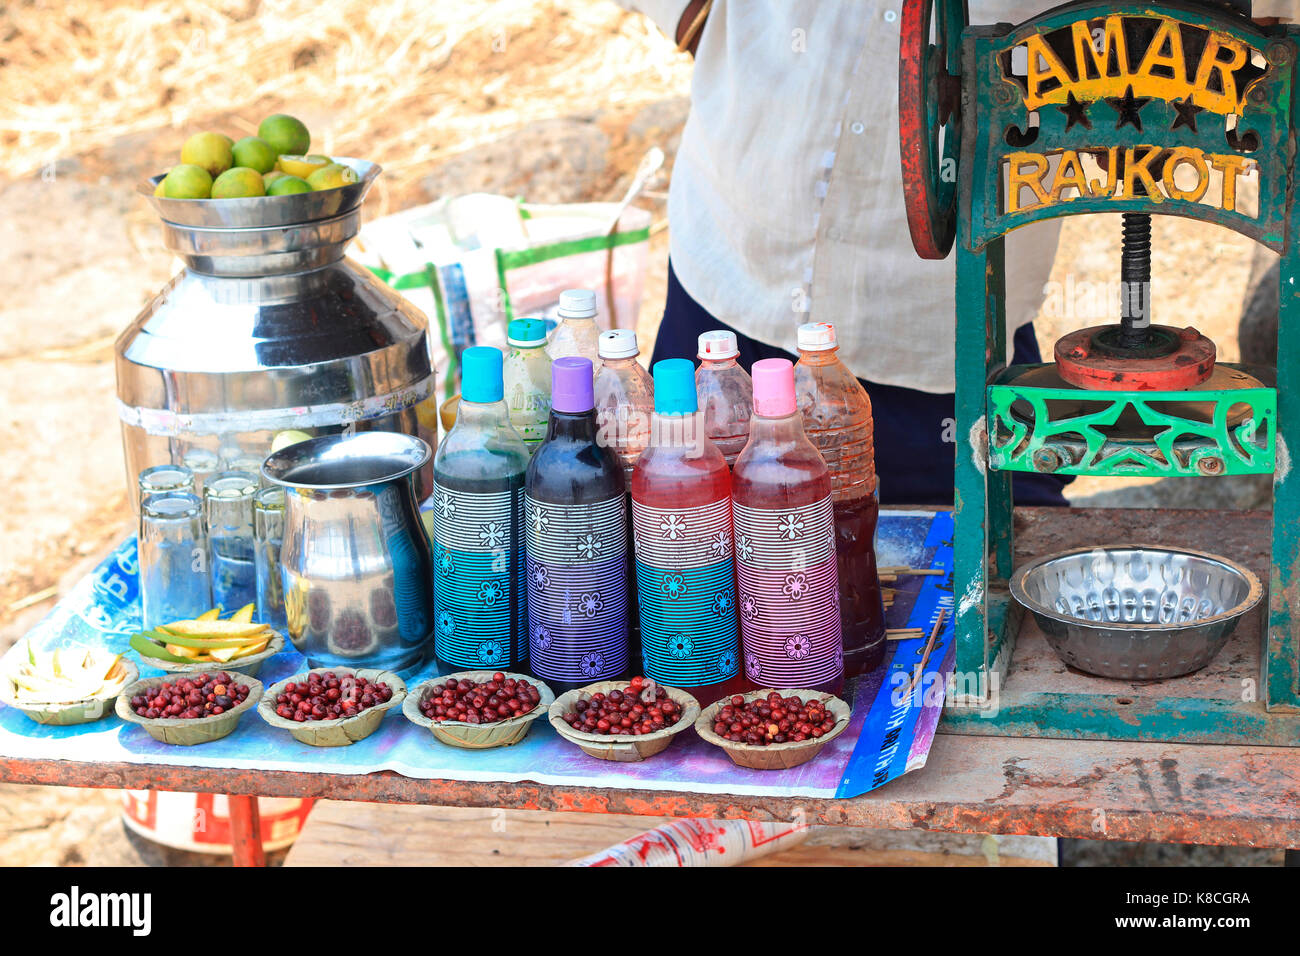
{"points": [[555, 103]]}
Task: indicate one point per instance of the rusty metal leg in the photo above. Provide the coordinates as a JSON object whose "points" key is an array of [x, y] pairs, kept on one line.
{"points": [[246, 832]]}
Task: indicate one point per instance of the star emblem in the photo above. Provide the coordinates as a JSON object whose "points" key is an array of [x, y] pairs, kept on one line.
{"points": [[1076, 113], [1129, 108], [1187, 111]]}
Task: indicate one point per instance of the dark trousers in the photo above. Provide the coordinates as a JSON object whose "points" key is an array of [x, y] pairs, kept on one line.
{"points": [[914, 430]]}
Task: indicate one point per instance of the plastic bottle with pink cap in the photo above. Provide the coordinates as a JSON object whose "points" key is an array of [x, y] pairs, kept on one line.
{"points": [[837, 418], [726, 393], [786, 577], [576, 542]]}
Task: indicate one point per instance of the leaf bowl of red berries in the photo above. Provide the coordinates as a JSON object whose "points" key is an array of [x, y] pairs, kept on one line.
{"points": [[188, 709], [773, 730], [623, 720], [332, 706], [478, 710]]}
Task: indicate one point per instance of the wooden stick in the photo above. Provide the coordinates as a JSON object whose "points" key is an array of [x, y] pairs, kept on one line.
{"points": [[929, 646], [903, 633]]}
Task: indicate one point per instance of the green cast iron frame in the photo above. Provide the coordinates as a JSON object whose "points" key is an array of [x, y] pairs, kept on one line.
{"points": [[987, 620]]}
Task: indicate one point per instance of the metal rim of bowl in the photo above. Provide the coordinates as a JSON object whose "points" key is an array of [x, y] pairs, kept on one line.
{"points": [[1254, 592], [278, 464]]}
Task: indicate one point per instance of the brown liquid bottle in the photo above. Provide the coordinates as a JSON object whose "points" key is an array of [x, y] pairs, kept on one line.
{"points": [[837, 419]]}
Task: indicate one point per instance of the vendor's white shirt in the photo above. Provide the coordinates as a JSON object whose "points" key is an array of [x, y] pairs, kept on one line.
{"points": [[786, 204]]}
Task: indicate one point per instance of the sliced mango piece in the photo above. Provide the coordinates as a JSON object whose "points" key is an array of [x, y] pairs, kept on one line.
{"points": [[244, 615], [211, 615], [179, 651], [214, 629], [251, 649], [223, 654]]}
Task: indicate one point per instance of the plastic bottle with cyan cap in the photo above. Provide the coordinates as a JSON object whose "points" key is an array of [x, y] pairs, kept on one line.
{"points": [[685, 575], [479, 591], [577, 334], [726, 393], [527, 375], [625, 398]]}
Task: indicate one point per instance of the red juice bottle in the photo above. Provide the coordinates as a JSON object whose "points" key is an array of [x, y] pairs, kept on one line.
{"points": [[837, 418], [681, 524], [575, 519], [787, 582]]}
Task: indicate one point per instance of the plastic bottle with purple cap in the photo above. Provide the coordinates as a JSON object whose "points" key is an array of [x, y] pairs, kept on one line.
{"points": [[479, 589], [576, 542], [787, 586], [726, 393], [681, 518]]}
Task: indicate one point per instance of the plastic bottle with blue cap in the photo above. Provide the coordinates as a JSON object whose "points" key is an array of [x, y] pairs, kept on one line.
{"points": [[682, 528], [527, 377], [479, 584]]}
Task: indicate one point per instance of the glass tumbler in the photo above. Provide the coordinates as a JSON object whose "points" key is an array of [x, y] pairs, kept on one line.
{"points": [[174, 583], [268, 534], [228, 507], [162, 479]]}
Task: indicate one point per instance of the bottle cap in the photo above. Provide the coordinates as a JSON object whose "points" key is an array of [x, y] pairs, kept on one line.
{"points": [[480, 375], [718, 345], [571, 385], [817, 336], [617, 343], [577, 304], [675, 387], [773, 388], [526, 333]]}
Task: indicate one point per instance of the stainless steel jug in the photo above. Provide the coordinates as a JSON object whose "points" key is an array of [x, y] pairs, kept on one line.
{"points": [[355, 560], [268, 328]]}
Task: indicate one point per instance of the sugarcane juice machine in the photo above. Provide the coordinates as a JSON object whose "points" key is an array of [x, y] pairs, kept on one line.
{"points": [[1163, 108]]}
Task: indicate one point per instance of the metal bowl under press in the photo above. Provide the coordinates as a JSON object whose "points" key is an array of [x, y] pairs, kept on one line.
{"points": [[1136, 612]]}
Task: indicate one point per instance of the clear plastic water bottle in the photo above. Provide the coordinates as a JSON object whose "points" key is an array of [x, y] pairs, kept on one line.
{"points": [[726, 393], [577, 334], [625, 399], [527, 376], [837, 419]]}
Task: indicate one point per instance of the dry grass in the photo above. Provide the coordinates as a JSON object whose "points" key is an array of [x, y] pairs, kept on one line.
{"points": [[407, 82]]}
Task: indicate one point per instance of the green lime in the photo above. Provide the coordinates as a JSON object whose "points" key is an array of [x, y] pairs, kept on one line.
{"points": [[187, 181], [284, 134], [287, 186], [239, 182], [332, 176], [255, 154], [211, 151]]}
